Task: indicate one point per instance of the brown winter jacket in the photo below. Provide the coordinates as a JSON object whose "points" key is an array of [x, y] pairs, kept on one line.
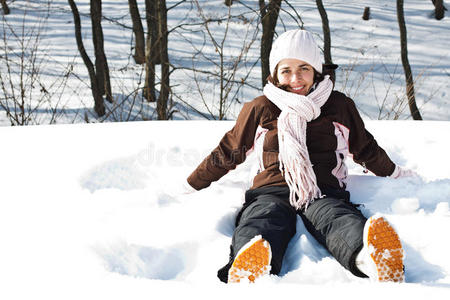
{"points": [[338, 131]]}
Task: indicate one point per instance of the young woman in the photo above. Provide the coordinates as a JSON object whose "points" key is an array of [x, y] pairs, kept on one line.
{"points": [[304, 130]]}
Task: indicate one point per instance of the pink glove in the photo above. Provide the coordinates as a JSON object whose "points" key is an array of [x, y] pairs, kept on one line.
{"points": [[400, 173]]}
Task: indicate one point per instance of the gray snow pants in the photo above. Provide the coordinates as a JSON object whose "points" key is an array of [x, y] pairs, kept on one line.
{"points": [[334, 221]]}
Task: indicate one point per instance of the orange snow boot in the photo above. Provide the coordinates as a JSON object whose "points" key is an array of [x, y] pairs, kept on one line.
{"points": [[382, 255], [251, 262]]}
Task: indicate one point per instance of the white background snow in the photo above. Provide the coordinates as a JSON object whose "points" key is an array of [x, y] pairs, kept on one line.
{"points": [[94, 211]]}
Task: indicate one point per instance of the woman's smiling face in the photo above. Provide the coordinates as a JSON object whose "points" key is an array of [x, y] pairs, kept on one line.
{"points": [[296, 75]]}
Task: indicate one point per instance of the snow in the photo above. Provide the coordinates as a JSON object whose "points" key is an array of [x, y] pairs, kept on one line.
{"points": [[405, 205], [95, 211]]}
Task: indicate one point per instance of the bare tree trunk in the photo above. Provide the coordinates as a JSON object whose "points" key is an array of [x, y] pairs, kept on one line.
{"points": [[326, 37], [152, 26], [269, 16], [95, 20], [439, 9], [101, 64], [139, 49], [366, 13], [151, 56], [5, 7], [99, 106], [407, 68], [161, 105]]}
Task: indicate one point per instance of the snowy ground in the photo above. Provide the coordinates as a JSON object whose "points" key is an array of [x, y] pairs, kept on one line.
{"points": [[92, 212]]}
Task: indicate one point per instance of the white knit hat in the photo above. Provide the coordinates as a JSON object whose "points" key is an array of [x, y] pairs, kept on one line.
{"points": [[297, 44]]}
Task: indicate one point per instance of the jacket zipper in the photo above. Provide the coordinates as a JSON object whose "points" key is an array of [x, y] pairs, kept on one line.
{"points": [[365, 171]]}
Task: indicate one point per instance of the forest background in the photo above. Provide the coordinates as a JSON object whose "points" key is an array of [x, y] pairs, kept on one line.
{"points": [[204, 59]]}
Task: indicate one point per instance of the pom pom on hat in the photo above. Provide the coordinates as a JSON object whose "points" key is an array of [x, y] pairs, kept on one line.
{"points": [[297, 44]]}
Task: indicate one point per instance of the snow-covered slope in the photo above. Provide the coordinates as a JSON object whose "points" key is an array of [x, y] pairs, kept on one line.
{"points": [[92, 212]]}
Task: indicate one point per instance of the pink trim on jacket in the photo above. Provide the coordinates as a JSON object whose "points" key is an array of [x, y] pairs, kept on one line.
{"points": [[342, 150]]}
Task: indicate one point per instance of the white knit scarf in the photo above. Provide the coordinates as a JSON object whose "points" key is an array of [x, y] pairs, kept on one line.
{"points": [[295, 165]]}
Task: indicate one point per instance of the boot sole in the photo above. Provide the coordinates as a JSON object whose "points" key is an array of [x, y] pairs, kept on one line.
{"points": [[252, 261], [386, 250]]}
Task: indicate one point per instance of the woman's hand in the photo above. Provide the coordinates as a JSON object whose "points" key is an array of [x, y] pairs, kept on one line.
{"points": [[399, 172]]}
